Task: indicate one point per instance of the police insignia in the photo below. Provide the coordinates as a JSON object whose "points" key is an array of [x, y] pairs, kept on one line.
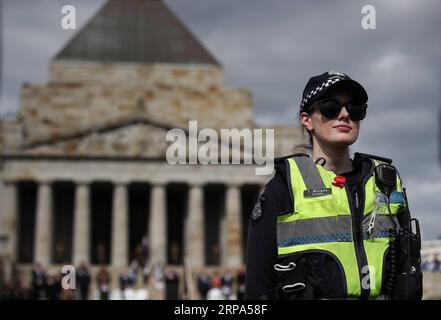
{"points": [[258, 211]]}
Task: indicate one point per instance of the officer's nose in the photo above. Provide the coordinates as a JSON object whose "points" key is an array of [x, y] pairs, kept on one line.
{"points": [[344, 114]]}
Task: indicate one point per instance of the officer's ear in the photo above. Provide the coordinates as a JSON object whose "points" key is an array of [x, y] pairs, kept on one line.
{"points": [[305, 120]]}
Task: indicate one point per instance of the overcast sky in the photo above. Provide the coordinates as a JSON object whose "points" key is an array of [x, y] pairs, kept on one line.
{"points": [[272, 47]]}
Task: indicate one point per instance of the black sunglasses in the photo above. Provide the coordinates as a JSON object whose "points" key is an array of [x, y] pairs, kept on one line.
{"points": [[331, 108]]}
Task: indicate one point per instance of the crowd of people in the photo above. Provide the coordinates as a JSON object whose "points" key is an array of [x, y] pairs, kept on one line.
{"points": [[133, 283], [431, 263], [43, 284]]}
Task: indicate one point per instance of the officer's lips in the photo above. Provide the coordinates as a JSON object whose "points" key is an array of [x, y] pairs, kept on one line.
{"points": [[343, 128]]}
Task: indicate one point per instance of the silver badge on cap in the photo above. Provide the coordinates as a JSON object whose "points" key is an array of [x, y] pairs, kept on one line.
{"points": [[336, 73]]}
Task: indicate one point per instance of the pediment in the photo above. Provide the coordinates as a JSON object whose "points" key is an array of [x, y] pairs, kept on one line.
{"points": [[131, 138]]}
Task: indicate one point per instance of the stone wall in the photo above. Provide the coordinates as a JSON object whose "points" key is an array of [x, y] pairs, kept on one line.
{"points": [[198, 76], [83, 95], [133, 140], [10, 133]]}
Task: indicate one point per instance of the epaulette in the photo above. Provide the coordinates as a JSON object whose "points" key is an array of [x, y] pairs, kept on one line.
{"points": [[359, 156]]}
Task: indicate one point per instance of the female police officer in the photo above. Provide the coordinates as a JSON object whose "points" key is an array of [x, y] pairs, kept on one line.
{"points": [[328, 226]]}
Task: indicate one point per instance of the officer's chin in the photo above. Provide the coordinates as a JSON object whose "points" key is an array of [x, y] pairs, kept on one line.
{"points": [[342, 142]]}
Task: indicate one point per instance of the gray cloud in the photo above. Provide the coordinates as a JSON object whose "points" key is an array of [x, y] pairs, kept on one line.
{"points": [[32, 34], [273, 47]]}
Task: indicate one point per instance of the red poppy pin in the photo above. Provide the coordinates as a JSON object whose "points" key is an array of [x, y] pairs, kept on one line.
{"points": [[339, 181]]}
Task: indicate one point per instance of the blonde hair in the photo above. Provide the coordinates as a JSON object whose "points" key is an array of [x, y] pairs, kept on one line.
{"points": [[310, 143]]}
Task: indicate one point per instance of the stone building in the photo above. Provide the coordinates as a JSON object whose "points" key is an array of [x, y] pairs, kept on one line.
{"points": [[83, 169]]}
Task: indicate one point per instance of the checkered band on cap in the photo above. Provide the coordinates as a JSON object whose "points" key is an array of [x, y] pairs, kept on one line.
{"points": [[318, 89]]}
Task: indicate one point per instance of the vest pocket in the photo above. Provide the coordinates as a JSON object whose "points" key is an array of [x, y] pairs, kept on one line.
{"points": [[320, 270], [291, 277]]}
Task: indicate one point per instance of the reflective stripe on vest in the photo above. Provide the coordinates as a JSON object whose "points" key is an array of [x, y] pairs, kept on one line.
{"points": [[315, 230], [321, 220]]}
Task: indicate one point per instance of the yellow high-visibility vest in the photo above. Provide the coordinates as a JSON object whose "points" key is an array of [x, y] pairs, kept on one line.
{"points": [[322, 220]]}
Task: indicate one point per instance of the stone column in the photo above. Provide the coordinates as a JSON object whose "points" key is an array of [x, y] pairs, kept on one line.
{"points": [[231, 229], [120, 237], [8, 218], [81, 228], [194, 228], [158, 224], [44, 218]]}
